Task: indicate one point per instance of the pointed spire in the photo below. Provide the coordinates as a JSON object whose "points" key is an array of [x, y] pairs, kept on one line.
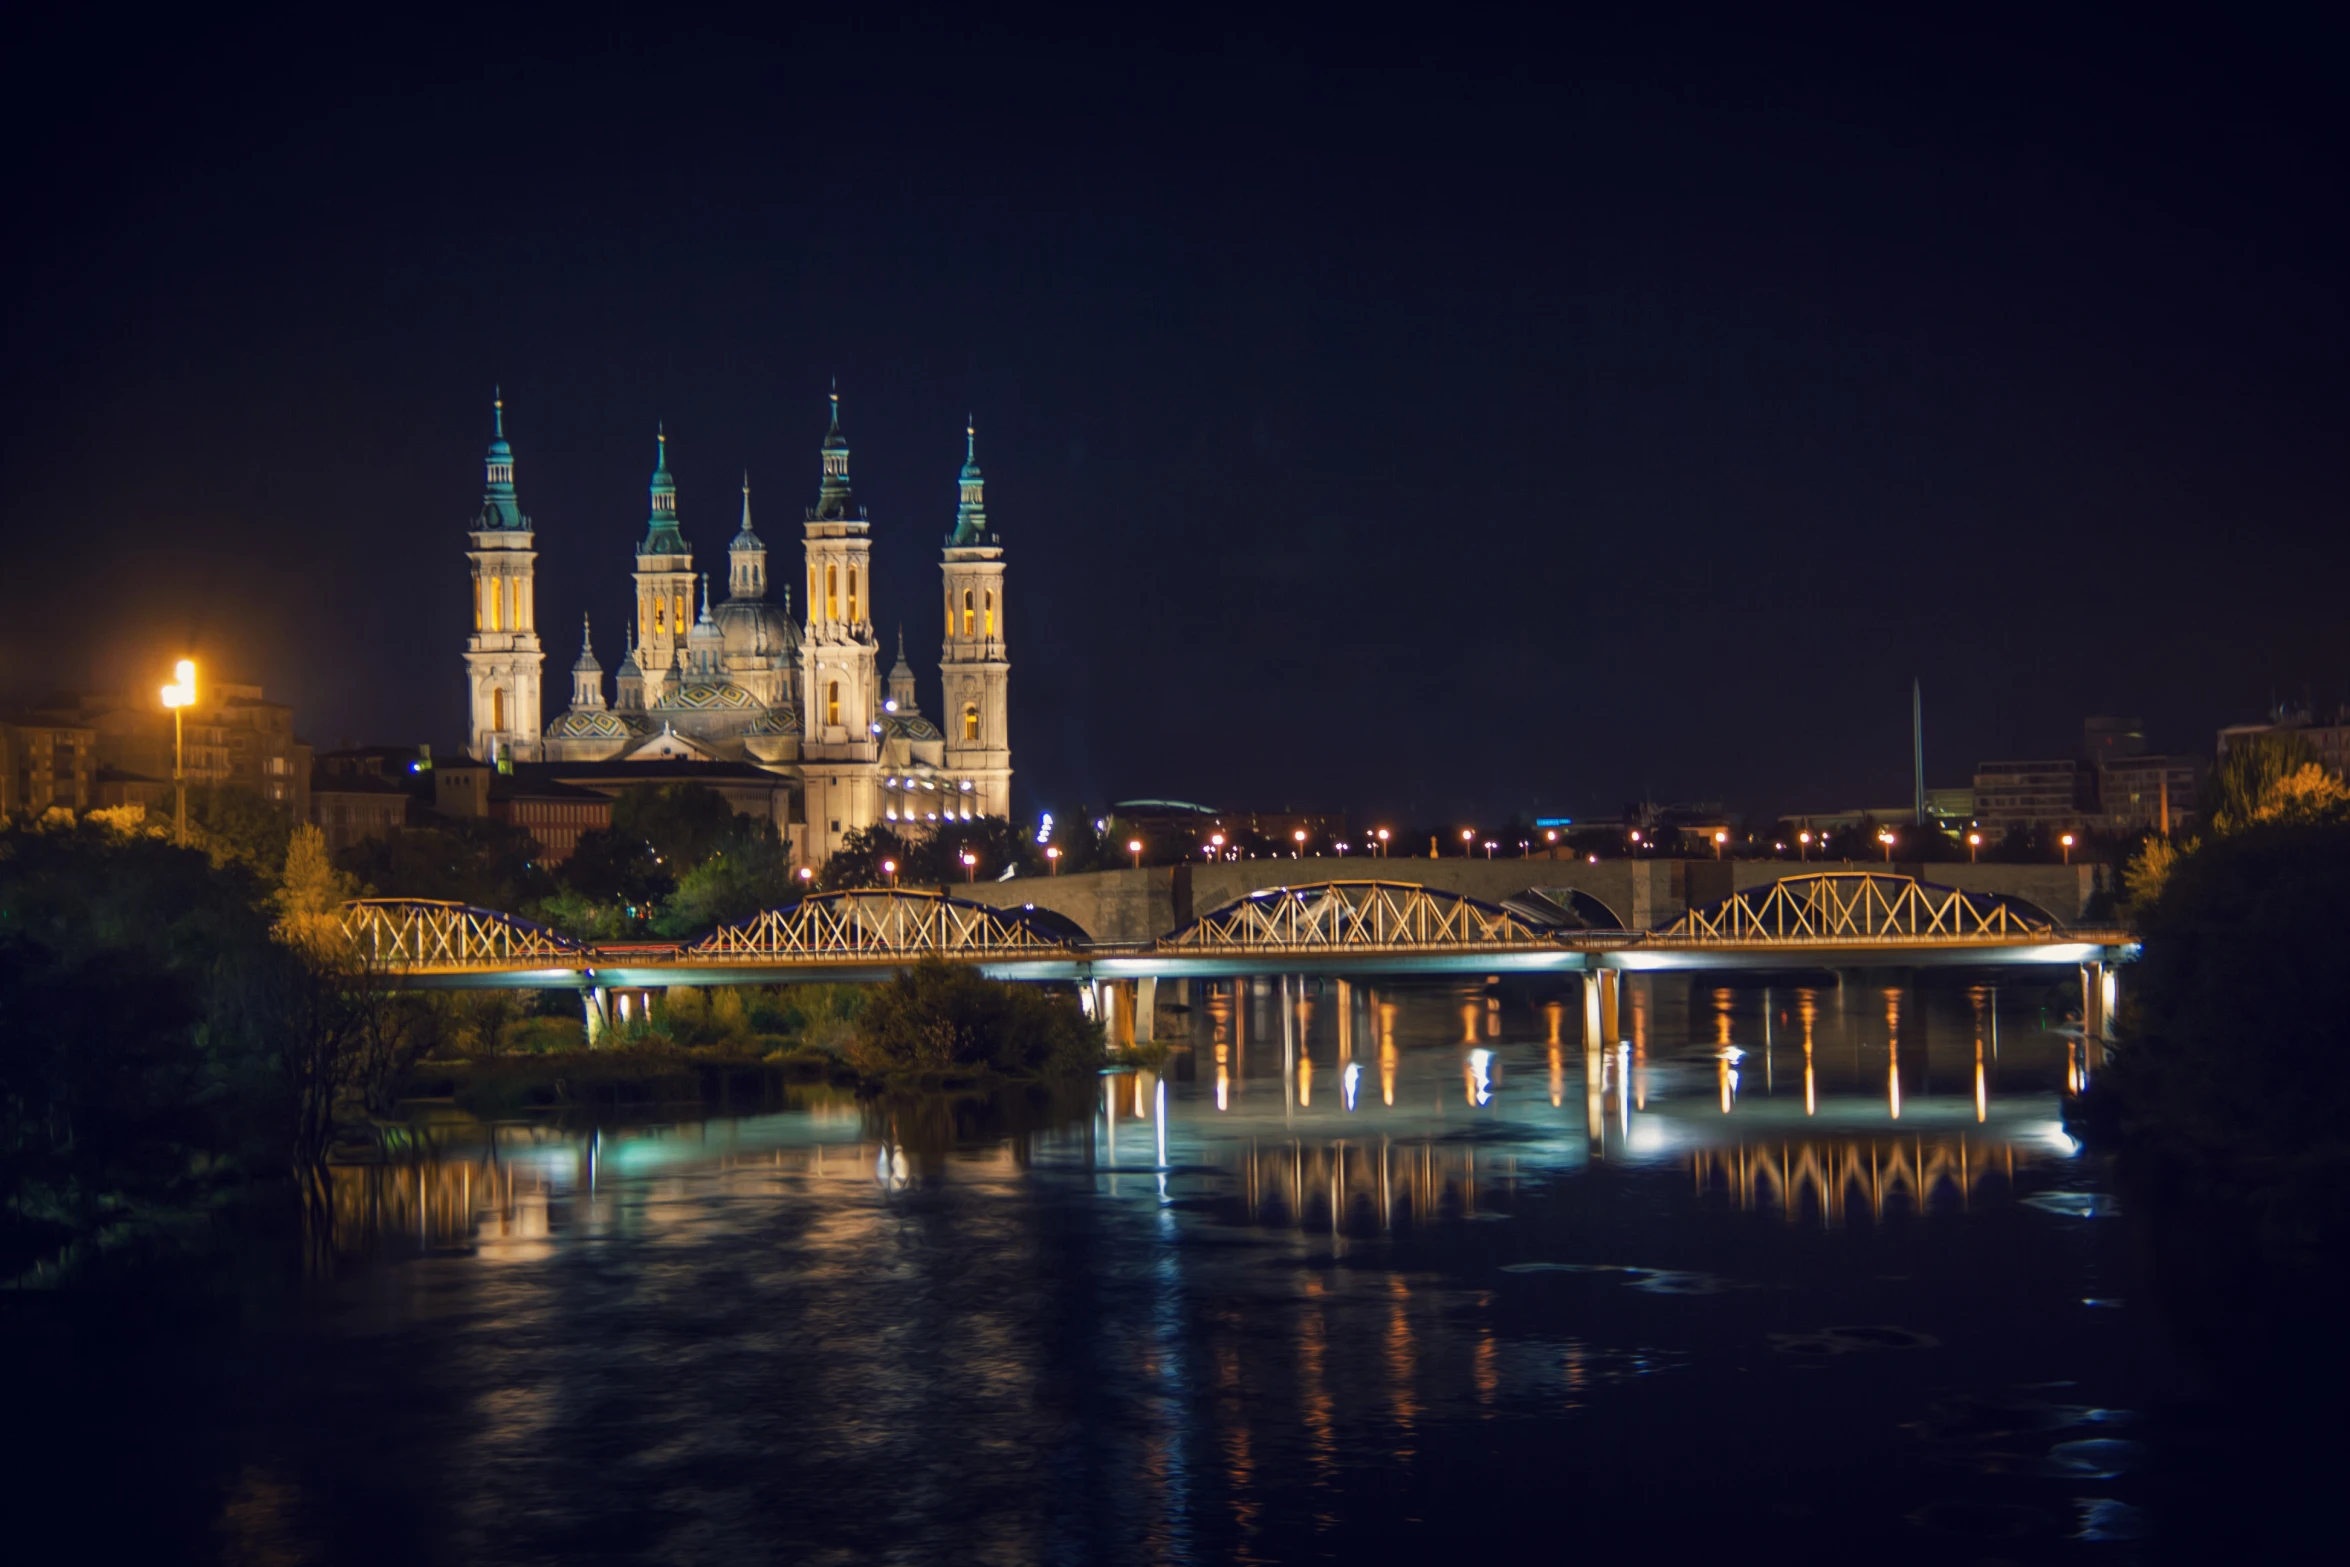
{"points": [[703, 618], [832, 491], [970, 493], [661, 535], [500, 512], [587, 646]]}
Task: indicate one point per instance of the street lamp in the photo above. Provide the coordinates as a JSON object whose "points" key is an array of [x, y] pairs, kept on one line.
{"points": [[1299, 838], [1803, 846], [889, 868], [1720, 838], [807, 875], [2067, 841], [1052, 856], [1342, 851], [1490, 846], [1134, 847], [1468, 837], [1974, 847], [180, 694], [1383, 843], [1886, 838], [970, 865]]}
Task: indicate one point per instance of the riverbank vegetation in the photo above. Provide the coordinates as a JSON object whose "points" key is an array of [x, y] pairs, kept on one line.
{"points": [[2228, 1100], [945, 1021]]}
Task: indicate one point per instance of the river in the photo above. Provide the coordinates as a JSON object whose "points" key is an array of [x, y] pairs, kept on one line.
{"points": [[1801, 1270]]}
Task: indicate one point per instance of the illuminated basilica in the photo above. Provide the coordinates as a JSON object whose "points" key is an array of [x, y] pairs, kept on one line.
{"points": [[741, 680]]}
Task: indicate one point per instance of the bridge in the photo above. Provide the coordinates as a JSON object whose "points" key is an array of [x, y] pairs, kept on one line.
{"points": [[1831, 920]]}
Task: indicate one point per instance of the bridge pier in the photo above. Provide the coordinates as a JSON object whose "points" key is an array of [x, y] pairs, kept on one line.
{"points": [[1611, 1006], [2100, 991], [598, 1017], [1146, 1010]]}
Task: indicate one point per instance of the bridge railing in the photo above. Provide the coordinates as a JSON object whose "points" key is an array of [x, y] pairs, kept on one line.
{"points": [[424, 933], [1356, 916], [1856, 906], [880, 923]]}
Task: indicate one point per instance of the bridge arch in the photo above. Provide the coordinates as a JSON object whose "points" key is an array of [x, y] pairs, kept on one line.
{"points": [[433, 935], [1848, 906], [1356, 916], [882, 922]]}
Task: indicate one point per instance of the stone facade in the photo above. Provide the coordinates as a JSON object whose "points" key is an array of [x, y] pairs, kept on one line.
{"points": [[742, 681]]}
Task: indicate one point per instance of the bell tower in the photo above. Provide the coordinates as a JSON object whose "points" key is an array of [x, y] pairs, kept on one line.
{"points": [[502, 656], [972, 664], [664, 580], [839, 657]]}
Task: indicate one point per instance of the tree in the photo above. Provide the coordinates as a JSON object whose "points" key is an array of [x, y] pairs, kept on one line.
{"points": [[2273, 778], [862, 853], [682, 823], [311, 893], [945, 1017], [749, 871], [464, 859], [233, 823]]}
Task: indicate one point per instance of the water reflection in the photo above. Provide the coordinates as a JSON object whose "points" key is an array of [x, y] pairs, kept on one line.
{"points": [[1239, 1307]]}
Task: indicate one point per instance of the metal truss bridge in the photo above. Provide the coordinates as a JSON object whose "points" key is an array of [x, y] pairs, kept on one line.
{"points": [[1829, 920]]}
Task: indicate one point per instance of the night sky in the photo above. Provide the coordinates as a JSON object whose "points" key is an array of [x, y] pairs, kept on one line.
{"points": [[1436, 417]]}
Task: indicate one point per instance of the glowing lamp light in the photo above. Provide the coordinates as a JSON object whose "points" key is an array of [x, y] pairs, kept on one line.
{"points": [[1052, 855]]}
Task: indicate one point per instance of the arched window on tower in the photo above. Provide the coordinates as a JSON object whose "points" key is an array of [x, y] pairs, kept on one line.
{"points": [[971, 720], [479, 616], [966, 612], [950, 612], [852, 595], [832, 702], [677, 603], [660, 615], [498, 709], [832, 593], [494, 598], [990, 622], [514, 602], [812, 599]]}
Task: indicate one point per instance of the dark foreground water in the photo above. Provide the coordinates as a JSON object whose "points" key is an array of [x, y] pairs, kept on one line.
{"points": [[1801, 1272]]}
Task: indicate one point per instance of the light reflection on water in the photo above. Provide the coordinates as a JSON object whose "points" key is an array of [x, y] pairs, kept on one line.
{"points": [[1357, 1263]]}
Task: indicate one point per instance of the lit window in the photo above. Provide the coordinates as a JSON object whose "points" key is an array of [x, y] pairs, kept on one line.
{"points": [[514, 602], [852, 593], [832, 703], [966, 612], [660, 617], [990, 621], [498, 708], [832, 593], [494, 599], [971, 721], [681, 615]]}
